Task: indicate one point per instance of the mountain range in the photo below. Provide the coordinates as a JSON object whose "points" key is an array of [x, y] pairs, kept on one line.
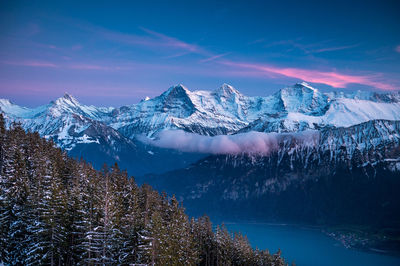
{"points": [[336, 156], [219, 112]]}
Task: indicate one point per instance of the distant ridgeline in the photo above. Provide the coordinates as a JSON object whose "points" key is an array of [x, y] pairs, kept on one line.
{"points": [[55, 210]]}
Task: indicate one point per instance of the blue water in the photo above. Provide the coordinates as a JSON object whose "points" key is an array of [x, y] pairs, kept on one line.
{"points": [[308, 247]]}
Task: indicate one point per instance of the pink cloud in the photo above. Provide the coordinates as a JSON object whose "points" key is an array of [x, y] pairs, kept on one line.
{"points": [[332, 78], [250, 143], [80, 66], [398, 48], [101, 67], [89, 67], [30, 63]]}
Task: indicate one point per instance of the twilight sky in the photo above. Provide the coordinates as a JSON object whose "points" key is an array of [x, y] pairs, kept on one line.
{"points": [[112, 53]]}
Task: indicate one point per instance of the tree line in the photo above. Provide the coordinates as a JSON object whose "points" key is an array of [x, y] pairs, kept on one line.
{"points": [[55, 210]]}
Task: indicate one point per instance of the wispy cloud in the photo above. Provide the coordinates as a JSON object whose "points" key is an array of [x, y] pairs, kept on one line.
{"points": [[173, 42], [89, 67], [337, 48], [30, 63], [150, 39], [171, 45], [309, 48], [176, 55], [331, 78], [212, 58], [250, 143], [78, 66]]}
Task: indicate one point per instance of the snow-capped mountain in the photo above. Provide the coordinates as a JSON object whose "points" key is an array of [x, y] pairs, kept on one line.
{"points": [[79, 130], [227, 111], [64, 120], [304, 107], [222, 111], [74, 126]]}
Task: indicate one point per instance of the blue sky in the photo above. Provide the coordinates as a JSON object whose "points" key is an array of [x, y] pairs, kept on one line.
{"points": [[118, 52]]}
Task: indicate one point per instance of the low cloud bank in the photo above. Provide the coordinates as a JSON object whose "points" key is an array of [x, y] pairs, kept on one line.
{"points": [[251, 142]]}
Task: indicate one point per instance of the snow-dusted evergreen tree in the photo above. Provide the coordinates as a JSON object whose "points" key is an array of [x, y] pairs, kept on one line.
{"points": [[77, 213], [92, 243], [5, 203], [15, 186], [224, 246], [204, 240], [181, 249], [129, 241], [147, 204]]}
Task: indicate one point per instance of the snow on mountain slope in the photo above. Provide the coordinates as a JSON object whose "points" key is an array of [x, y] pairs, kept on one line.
{"points": [[203, 112], [65, 121], [227, 111], [302, 98], [16, 111], [219, 112], [64, 105], [307, 108], [68, 104]]}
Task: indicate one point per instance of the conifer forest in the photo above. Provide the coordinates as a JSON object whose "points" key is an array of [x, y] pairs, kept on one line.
{"points": [[55, 210]]}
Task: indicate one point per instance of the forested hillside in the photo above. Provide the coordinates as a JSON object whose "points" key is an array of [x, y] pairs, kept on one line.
{"points": [[57, 211]]}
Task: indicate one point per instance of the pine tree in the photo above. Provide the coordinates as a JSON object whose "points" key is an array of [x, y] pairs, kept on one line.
{"points": [[76, 212], [16, 187], [92, 243], [129, 223], [205, 240], [224, 246]]}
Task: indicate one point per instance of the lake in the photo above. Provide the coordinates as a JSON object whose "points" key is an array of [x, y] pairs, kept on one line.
{"points": [[308, 247]]}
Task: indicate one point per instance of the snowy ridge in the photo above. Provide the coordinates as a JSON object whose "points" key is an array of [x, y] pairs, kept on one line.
{"points": [[227, 111], [219, 112], [65, 121]]}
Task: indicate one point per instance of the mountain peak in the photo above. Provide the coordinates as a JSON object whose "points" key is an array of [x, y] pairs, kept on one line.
{"points": [[178, 88], [176, 100], [226, 90], [176, 92], [303, 86], [303, 98], [67, 99], [5, 102], [67, 96], [299, 90]]}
